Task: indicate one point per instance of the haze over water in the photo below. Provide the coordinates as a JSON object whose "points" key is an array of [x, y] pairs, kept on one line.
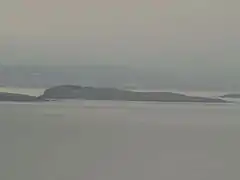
{"points": [[91, 140]]}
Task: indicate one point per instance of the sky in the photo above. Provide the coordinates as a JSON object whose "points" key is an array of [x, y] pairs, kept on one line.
{"points": [[187, 33]]}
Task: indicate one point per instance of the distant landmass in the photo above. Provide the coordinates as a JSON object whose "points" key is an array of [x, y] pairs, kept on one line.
{"points": [[114, 94], [92, 93], [237, 96], [19, 97]]}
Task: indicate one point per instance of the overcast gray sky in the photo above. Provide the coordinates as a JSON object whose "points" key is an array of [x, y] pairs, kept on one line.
{"points": [[135, 32]]}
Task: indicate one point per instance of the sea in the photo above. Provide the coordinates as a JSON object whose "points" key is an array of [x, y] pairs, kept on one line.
{"points": [[109, 140]]}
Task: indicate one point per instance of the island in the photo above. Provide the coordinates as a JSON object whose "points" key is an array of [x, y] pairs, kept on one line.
{"points": [[236, 96], [19, 97], [92, 93]]}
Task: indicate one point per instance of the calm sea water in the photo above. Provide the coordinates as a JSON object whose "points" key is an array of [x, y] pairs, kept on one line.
{"points": [[91, 140]]}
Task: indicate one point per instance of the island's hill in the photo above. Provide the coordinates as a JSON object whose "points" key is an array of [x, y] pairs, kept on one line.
{"points": [[92, 93]]}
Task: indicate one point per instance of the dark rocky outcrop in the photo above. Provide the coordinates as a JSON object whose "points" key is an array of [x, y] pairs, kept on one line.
{"points": [[19, 97], [91, 93]]}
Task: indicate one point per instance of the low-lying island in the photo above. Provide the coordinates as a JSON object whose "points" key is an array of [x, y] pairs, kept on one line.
{"points": [[19, 97], [92, 93], [234, 96]]}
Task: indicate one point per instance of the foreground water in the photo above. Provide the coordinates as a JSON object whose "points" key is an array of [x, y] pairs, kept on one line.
{"points": [[91, 140]]}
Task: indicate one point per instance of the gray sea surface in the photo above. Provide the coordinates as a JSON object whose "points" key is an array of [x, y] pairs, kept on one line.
{"points": [[106, 140]]}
